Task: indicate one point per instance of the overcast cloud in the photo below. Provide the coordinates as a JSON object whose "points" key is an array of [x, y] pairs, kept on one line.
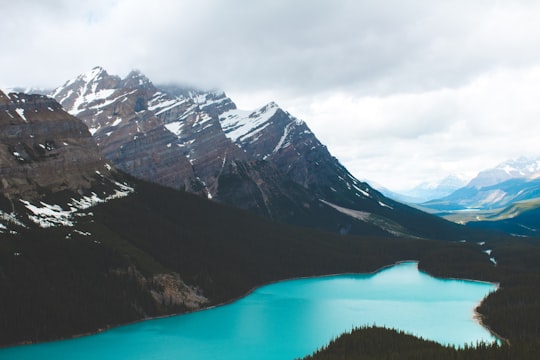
{"points": [[400, 91]]}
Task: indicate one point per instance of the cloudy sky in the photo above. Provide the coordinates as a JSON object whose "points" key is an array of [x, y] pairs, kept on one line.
{"points": [[400, 91]]}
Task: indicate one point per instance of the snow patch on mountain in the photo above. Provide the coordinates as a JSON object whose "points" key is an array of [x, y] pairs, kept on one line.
{"points": [[281, 143], [7, 219], [21, 114], [240, 124], [161, 103], [523, 167], [52, 215], [101, 99], [48, 215], [175, 127], [90, 96]]}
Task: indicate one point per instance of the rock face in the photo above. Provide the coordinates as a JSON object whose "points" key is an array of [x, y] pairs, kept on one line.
{"points": [[170, 290], [43, 148], [164, 137], [274, 135], [266, 161]]}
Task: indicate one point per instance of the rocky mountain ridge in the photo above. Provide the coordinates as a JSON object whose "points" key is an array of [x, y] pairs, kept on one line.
{"points": [[146, 132], [266, 160], [44, 147], [51, 169]]}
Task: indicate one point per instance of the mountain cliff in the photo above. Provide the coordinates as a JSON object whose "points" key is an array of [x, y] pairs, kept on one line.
{"points": [[43, 148]]}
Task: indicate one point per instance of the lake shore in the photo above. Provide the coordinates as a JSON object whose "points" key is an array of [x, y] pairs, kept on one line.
{"points": [[477, 316]]}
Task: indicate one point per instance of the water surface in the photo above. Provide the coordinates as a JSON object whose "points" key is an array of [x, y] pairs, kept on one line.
{"points": [[291, 319]]}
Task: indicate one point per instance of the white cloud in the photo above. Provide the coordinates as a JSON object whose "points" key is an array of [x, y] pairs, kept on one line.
{"points": [[402, 139], [400, 91]]}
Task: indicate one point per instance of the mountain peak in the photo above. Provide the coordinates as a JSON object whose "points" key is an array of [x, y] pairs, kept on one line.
{"points": [[271, 105], [522, 167], [135, 79], [93, 75]]}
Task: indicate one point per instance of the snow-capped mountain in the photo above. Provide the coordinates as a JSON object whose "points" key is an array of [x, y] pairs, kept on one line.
{"points": [[507, 183], [521, 168], [151, 133], [265, 160]]}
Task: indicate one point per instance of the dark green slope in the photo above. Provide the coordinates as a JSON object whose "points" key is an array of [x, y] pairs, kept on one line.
{"points": [[228, 251], [384, 344]]}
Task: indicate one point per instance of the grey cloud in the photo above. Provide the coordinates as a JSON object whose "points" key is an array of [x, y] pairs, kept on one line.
{"points": [[368, 47]]}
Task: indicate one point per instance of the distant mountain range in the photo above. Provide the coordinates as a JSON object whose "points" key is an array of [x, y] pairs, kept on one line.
{"points": [[265, 161], [428, 190], [521, 168], [498, 198], [508, 182]]}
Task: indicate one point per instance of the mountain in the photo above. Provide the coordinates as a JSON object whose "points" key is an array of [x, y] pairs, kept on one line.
{"points": [[437, 189], [507, 183], [43, 148], [265, 161], [85, 246], [504, 198], [428, 190], [521, 168]]}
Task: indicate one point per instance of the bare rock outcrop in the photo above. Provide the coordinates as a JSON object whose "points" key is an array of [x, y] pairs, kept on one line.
{"points": [[43, 148]]}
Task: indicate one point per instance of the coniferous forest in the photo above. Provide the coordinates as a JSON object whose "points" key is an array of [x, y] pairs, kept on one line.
{"points": [[512, 312]]}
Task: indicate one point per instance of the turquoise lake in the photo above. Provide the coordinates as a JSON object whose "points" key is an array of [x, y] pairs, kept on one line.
{"points": [[291, 319]]}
